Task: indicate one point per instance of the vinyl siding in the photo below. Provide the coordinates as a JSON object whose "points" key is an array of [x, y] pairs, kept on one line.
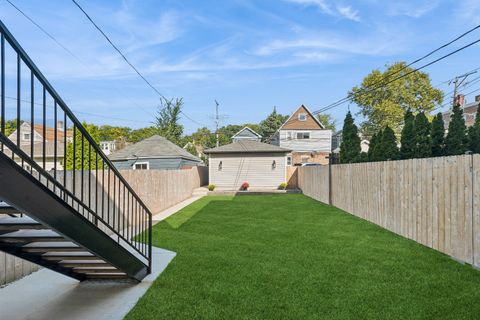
{"points": [[156, 164], [256, 169], [320, 140]]}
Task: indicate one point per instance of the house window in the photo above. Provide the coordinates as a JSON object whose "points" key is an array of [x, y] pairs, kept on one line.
{"points": [[303, 135], [220, 165], [289, 160], [141, 166], [289, 135], [26, 136], [302, 117]]}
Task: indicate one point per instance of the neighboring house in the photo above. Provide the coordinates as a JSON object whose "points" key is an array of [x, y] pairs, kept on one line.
{"points": [[337, 141], [109, 147], [262, 165], [246, 134], [26, 139], [154, 153], [308, 139], [469, 111]]}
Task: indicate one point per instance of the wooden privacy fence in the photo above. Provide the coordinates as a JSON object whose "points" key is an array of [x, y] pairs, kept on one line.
{"points": [[434, 201], [158, 189]]}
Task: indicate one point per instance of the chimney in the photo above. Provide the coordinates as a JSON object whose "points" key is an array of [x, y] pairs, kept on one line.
{"points": [[60, 125], [460, 100], [477, 98]]}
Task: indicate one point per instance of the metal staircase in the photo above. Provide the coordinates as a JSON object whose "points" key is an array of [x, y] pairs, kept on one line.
{"points": [[67, 208]]}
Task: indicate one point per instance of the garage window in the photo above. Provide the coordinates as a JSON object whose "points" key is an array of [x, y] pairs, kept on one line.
{"points": [[303, 135], [141, 166]]}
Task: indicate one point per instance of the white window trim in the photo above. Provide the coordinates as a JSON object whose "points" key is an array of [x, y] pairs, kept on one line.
{"points": [[303, 132], [141, 162], [289, 160], [300, 115]]}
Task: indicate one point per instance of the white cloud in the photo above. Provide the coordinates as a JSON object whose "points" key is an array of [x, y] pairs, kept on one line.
{"points": [[343, 11], [349, 13], [415, 9]]}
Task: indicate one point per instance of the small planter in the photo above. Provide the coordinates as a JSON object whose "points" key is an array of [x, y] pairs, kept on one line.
{"points": [[244, 186], [283, 186], [211, 187]]}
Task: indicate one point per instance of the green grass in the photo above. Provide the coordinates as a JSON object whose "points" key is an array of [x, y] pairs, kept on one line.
{"points": [[290, 257]]}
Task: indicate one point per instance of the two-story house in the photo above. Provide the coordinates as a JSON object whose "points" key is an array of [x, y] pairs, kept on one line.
{"points": [[308, 139], [27, 140]]}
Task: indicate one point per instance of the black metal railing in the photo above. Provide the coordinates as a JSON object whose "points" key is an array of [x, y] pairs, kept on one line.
{"points": [[42, 135]]}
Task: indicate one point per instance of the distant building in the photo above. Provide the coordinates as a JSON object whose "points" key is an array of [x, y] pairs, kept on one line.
{"points": [[153, 153], [337, 141], [246, 134], [308, 139], [36, 136], [261, 165], [469, 111], [109, 147]]}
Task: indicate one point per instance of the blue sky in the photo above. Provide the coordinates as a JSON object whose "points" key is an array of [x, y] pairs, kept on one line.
{"points": [[249, 55]]}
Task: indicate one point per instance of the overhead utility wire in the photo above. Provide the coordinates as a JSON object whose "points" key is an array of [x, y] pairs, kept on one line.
{"points": [[69, 52], [368, 90], [127, 61], [349, 97]]}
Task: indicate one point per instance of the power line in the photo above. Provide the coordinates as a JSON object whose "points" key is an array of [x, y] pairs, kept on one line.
{"points": [[128, 61], [368, 90], [349, 97], [68, 50]]}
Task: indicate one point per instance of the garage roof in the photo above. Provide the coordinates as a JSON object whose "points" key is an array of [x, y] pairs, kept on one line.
{"points": [[247, 146]]}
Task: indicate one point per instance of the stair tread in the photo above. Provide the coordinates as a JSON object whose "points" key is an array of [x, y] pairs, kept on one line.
{"points": [[31, 234], [17, 223], [69, 254], [17, 220], [66, 244]]}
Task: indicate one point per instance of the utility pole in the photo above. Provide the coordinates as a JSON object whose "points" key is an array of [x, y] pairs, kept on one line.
{"points": [[217, 121], [457, 82]]}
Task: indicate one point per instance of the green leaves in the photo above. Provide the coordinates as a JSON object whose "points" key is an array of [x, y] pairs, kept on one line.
{"points": [[456, 142], [385, 106], [438, 136], [350, 147]]}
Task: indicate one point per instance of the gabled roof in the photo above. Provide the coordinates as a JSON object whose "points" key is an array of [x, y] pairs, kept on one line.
{"points": [[247, 146], [293, 122], [248, 130], [154, 147]]}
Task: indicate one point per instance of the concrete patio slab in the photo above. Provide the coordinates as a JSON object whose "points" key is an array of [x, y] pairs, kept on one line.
{"points": [[174, 209], [48, 295]]}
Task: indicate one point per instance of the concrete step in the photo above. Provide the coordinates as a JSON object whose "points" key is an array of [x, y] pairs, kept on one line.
{"points": [[202, 191]]}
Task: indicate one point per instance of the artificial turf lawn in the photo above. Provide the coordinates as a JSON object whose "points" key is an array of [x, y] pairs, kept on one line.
{"points": [[290, 257]]}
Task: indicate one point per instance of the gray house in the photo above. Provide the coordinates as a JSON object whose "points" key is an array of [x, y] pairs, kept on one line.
{"points": [[153, 153], [246, 134]]}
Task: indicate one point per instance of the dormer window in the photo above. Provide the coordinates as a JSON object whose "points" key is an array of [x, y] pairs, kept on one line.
{"points": [[302, 117]]}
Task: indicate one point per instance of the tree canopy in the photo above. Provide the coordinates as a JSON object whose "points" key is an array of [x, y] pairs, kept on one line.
{"points": [[386, 105], [456, 142], [167, 121], [271, 124], [387, 148], [350, 147], [423, 143], [474, 134], [407, 140], [328, 121], [438, 135]]}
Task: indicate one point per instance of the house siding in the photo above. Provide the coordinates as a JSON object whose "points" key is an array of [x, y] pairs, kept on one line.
{"points": [[320, 140], [156, 164], [256, 169]]}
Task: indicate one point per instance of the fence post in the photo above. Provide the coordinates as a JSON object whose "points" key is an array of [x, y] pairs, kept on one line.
{"points": [[330, 179]]}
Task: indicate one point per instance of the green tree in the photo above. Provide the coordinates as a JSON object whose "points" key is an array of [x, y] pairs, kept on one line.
{"points": [[386, 105], [456, 142], [327, 121], [142, 133], [387, 149], [111, 133], [372, 146], [474, 134], [271, 124], [89, 158], [407, 140], [350, 147], [423, 143], [438, 135], [167, 120]]}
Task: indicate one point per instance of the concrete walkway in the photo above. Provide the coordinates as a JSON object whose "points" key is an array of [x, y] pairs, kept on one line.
{"points": [[168, 212], [47, 295]]}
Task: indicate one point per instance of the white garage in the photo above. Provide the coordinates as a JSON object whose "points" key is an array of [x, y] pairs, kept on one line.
{"points": [[262, 165]]}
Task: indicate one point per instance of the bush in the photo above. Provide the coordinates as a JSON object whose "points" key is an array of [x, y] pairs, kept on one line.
{"points": [[244, 186], [283, 186], [211, 187]]}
